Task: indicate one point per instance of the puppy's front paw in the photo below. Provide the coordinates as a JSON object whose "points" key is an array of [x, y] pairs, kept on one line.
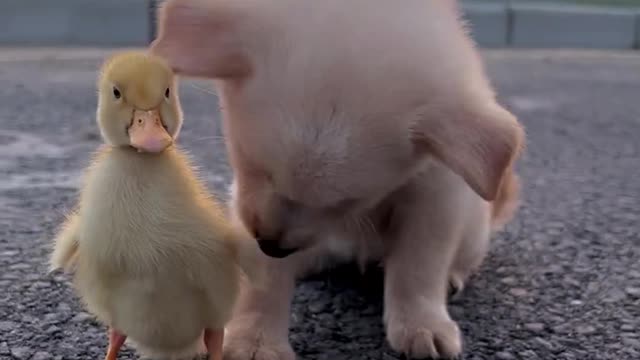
{"points": [[423, 336], [256, 345]]}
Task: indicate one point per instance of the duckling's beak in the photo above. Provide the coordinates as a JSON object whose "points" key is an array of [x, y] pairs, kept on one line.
{"points": [[147, 133]]}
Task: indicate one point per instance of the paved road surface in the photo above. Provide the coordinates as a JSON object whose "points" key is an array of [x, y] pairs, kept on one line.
{"points": [[562, 281]]}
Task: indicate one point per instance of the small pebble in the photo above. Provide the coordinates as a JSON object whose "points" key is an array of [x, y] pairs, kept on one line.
{"points": [[51, 317], [317, 307], [503, 355], [561, 329], [519, 292], [627, 327], [21, 352], [9, 253], [41, 285], [537, 327], [62, 307], [52, 330], [614, 296], [6, 326], [630, 342], [4, 349], [633, 291], [20, 267], [528, 354], [585, 329], [81, 317], [30, 319], [544, 343], [41, 355]]}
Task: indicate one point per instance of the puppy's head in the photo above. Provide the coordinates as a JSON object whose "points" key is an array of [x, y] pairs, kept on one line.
{"points": [[330, 106]]}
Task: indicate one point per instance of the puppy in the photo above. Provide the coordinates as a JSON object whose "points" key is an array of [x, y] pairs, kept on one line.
{"points": [[360, 129]]}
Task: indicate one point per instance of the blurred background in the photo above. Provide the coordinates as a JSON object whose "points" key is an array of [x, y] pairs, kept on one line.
{"points": [[495, 23], [562, 281]]}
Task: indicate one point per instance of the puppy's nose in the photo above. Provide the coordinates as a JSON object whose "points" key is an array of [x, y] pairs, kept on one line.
{"points": [[272, 248]]}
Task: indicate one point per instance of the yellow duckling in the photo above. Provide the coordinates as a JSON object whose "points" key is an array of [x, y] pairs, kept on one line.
{"points": [[153, 255]]}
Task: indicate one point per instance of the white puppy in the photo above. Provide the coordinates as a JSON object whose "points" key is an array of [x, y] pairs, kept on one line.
{"points": [[362, 129]]}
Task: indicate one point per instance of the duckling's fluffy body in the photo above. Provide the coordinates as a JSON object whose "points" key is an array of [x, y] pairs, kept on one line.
{"points": [[153, 254], [154, 257]]}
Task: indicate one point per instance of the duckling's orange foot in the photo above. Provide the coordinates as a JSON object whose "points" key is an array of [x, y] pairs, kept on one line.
{"points": [[213, 340], [116, 340]]}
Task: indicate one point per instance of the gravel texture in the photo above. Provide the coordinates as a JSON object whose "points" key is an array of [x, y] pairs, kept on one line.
{"points": [[562, 280]]}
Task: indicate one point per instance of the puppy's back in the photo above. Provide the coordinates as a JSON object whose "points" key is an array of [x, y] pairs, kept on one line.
{"points": [[426, 36]]}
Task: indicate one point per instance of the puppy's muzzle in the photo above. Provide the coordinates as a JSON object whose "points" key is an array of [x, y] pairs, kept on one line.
{"points": [[271, 248]]}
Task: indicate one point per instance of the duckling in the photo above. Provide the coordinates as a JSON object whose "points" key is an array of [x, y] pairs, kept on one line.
{"points": [[153, 255]]}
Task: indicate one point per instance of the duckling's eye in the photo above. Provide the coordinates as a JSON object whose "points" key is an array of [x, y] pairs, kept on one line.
{"points": [[166, 93], [116, 93]]}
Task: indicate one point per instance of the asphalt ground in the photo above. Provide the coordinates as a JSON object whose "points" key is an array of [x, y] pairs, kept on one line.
{"points": [[562, 280]]}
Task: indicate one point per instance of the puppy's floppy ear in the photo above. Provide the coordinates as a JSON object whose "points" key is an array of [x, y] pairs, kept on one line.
{"points": [[479, 143], [201, 38]]}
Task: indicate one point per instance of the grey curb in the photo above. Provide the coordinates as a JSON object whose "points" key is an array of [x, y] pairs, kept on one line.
{"points": [[556, 26], [494, 24], [488, 23], [548, 25], [75, 22]]}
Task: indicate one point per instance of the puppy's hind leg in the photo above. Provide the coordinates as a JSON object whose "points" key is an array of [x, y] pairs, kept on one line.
{"points": [[472, 249], [483, 219]]}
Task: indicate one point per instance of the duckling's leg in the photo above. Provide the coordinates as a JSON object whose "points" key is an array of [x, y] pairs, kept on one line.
{"points": [[213, 340], [116, 340]]}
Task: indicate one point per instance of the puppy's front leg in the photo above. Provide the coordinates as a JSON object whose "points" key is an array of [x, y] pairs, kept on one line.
{"points": [[260, 325], [419, 256]]}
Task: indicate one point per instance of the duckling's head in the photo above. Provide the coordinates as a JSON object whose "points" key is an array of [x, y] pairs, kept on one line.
{"points": [[138, 104]]}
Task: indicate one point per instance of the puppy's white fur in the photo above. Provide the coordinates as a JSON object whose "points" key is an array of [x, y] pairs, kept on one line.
{"points": [[362, 128]]}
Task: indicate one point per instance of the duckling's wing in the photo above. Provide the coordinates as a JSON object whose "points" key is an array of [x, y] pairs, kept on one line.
{"points": [[65, 245], [248, 257]]}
